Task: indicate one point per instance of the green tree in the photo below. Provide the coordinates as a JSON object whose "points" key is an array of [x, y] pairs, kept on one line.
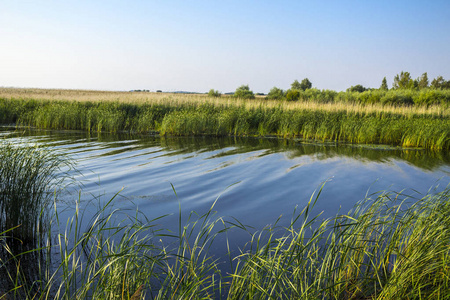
{"points": [[244, 92], [275, 94], [357, 88], [423, 81], [384, 85], [440, 83], [213, 93], [296, 85], [403, 81], [305, 84]]}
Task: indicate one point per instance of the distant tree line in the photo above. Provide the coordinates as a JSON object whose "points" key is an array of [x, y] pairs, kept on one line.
{"points": [[404, 91], [404, 81]]}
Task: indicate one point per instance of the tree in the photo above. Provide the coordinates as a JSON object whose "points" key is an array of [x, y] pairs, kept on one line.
{"points": [[439, 82], [296, 85], [275, 94], [423, 81], [213, 93], [306, 84], [244, 92], [384, 85], [403, 81], [357, 88]]}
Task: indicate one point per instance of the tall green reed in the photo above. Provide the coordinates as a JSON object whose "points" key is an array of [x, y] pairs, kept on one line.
{"points": [[430, 131], [390, 247], [29, 177]]}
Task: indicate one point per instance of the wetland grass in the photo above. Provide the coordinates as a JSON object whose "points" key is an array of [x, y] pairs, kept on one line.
{"points": [[360, 122], [29, 176], [359, 125]]}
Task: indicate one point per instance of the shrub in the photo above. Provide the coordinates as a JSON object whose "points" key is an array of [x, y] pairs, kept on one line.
{"points": [[244, 92], [357, 88], [397, 98], [292, 95], [213, 93], [275, 94]]}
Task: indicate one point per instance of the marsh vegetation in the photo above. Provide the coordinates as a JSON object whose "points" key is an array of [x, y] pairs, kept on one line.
{"points": [[351, 120]]}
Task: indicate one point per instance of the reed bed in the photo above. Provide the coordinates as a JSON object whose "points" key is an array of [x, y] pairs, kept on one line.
{"points": [[29, 178], [407, 126]]}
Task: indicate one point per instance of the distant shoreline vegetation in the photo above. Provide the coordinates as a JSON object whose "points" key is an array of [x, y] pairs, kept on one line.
{"points": [[411, 115]]}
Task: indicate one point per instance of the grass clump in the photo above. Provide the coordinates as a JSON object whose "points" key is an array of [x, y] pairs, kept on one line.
{"points": [[383, 249], [29, 176]]}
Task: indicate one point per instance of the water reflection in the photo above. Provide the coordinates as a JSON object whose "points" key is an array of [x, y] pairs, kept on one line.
{"points": [[78, 141]]}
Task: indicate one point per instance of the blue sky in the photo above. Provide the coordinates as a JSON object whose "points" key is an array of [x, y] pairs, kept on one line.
{"points": [[199, 45]]}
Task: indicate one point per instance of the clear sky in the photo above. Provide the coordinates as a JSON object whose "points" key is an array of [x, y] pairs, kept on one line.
{"points": [[199, 45]]}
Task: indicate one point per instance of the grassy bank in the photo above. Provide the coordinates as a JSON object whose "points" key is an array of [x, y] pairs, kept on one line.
{"points": [[390, 246], [408, 126]]}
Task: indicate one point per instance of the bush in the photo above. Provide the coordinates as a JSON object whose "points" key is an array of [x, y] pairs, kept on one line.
{"points": [[357, 88], [244, 92], [292, 95], [398, 98], [213, 93], [275, 94]]}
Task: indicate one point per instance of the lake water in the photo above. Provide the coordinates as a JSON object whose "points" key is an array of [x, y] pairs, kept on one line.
{"points": [[256, 180]]}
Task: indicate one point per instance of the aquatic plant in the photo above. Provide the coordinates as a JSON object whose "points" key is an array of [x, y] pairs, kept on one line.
{"points": [[29, 177], [390, 247], [361, 121]]}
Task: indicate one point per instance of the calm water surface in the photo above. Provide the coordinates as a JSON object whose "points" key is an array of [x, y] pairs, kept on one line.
{"points": [[255, 180]]}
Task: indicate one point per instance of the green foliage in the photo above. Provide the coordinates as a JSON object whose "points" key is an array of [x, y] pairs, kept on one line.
{"points": [[218, 120], [213, 93], [244, 92], [305, 84], [292, 95], [404, 98], [383, 249], [384, 85], [423, 81], [440, 83], [403, 81], [29, 179], [357, 88], [296, 85], [275, 94]]}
